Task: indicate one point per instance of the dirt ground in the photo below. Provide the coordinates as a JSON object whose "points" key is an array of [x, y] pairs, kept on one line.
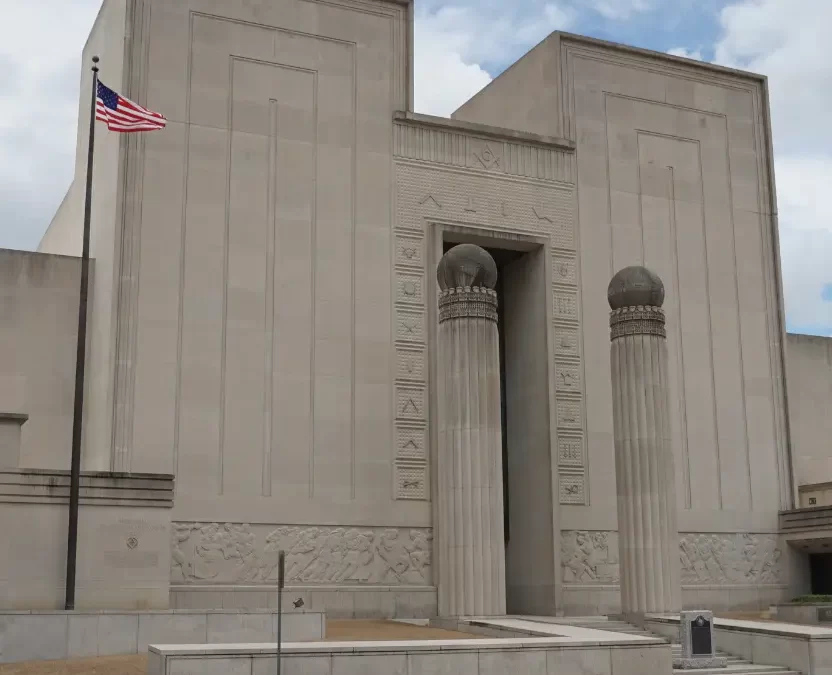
{"points": [[337, 631], [360, 629], [107, 665]]}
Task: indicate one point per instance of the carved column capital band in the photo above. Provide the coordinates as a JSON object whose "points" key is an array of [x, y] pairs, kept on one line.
{"points": [[641, 320], [467, 303]]}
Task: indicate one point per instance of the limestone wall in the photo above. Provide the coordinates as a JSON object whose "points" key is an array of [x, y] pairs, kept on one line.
{"points": [[673, 172], [810, 402], [256, 310], [38, 329]]}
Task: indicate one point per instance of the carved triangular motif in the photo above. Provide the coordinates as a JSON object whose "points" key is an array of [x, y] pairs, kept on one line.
{"points": [[430, 198]]}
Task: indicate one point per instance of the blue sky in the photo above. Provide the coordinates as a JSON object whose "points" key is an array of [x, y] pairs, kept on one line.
{"points": [[460, 46]]}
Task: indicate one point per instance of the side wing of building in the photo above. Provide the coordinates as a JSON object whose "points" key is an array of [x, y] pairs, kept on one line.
{"points": [[810, 403]]}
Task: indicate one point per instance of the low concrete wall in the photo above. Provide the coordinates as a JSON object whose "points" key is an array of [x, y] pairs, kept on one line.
{"points": [[31, 636], [807, 649], [802, 612], [338, 602], [605, 599], [549, 656], [123, 540]]}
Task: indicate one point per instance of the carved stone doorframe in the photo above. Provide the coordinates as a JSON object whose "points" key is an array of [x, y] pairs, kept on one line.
{"points": [[438, 234]]}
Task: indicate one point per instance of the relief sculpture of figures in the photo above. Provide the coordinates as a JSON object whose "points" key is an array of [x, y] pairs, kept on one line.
{"points": [[227, 553], [589, 557], [706, 559], [730, 559]]}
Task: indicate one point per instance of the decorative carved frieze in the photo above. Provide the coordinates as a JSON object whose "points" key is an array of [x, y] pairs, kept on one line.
{"points": [[410, 403], [570, 450], [457, 149], [589, 557], [410, 289], [637, 321], [564, 270], [410, 326], [724, 559], [572, 488], [455, 193], [412, 481], [730, 559], [569, 414], [425, 193], [566, 342], [410, 364], [568, 378], [468, 303], [226, 553], [411, 443], [410, 252], [565, 305]]}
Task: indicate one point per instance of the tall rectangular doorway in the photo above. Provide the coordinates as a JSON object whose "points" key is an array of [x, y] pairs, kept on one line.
{"points": [[525, 367]]}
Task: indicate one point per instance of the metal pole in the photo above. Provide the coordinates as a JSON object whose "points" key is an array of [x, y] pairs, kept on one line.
{"points": [[80, 361], [281, 580]]}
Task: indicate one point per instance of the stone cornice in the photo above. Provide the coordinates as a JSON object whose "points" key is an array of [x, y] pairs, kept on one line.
{"points": [[14, 418], [39, 486], [483, 130]]}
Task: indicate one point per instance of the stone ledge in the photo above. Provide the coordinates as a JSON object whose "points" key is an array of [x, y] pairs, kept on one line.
{"points": [[796, 631], [19, 418], [98, 488], [33, 636], [474, 128]]}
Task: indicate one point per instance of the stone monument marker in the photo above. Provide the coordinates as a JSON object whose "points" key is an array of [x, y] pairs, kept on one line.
{"points": [[696, 634]]}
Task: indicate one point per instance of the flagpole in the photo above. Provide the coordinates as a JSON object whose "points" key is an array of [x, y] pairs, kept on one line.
{"points": [[80, 362]]}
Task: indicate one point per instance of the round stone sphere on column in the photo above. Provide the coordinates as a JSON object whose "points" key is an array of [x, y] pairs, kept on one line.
{"points": [[635, 287], [466, 266]]}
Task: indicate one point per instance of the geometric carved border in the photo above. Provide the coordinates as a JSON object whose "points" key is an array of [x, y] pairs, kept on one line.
{"points": [[410, 461], [430, 193]]}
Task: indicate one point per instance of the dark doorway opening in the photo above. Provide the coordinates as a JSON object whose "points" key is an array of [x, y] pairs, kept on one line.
{"points": [[820, 566], [502, 257], [528, 510]]}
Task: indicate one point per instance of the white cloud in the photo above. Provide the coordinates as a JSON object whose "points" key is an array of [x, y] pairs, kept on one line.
{"points": [[686, 53], [40, 48], [618, 10], [788, 42], [455, 43]]}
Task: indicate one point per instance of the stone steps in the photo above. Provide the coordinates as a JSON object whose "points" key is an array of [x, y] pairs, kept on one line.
{"points": [[739, 669], [735, 665]]}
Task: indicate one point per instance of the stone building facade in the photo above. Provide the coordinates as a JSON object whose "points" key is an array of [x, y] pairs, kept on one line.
{"points": [[264, 311]]}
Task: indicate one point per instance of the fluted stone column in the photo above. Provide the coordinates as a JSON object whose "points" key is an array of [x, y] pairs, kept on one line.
{"points": [[648, 536], [470, 539]]}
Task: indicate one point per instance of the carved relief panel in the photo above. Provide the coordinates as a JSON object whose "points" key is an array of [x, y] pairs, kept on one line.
{"points": [[224, 553], [706, 559]]}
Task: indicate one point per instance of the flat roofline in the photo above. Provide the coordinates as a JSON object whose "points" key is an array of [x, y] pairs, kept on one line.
{"points": [[498, 133], [26, 252], [640, 51]]}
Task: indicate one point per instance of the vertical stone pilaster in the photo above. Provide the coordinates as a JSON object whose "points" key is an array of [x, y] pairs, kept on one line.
{"points": [[470, 535], [645, 479]]}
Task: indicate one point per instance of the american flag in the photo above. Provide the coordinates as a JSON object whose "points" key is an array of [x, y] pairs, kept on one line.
{"points": [[123, 115]]}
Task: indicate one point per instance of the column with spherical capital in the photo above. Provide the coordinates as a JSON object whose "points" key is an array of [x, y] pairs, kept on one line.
{"points": [[648, 536], [469, 527]]}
